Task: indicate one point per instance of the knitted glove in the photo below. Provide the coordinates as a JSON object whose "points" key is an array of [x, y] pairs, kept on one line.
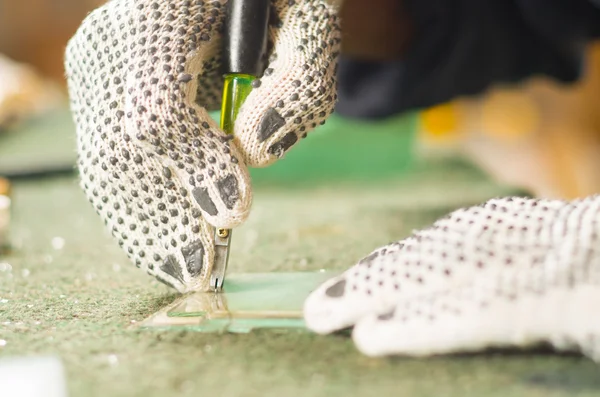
{"points": [[511, 272], [160, 173]]}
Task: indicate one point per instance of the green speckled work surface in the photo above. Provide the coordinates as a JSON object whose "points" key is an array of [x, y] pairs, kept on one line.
{"points": [[67, 290]]}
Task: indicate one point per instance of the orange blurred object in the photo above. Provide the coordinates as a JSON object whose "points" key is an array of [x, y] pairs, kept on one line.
{"points": [[540, 135], [4, 187], [509, 115], [5, 206], [444, 123], [23, 93]]}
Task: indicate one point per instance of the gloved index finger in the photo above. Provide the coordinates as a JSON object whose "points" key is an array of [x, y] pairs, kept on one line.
{"points": [[298, 89], [161, 109]]}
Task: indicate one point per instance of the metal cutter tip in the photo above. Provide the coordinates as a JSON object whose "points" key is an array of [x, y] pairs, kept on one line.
{"points": [[222, 243]]}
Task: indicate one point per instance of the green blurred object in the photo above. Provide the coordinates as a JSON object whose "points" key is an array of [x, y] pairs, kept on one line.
{"points": [[341, 150], [346, 150], [40, 145]]}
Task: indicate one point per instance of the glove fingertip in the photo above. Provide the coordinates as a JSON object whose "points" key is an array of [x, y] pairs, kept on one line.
{"points": [[227, 202], [328, 309], [264, 135], [367, 339], [317, 315]]}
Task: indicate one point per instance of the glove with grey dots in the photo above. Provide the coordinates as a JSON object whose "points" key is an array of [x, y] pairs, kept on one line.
{"points": [[510, 273], [142, 75]]}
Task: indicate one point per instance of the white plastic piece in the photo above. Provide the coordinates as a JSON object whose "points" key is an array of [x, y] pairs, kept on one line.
{"points": [[4, 219], [32, 377]]}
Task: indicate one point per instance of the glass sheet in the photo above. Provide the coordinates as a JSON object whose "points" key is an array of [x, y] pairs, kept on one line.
{"points": [[248, 301]]}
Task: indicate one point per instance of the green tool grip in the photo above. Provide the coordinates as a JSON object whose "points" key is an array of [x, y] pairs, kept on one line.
{"points": [[235, 90]]}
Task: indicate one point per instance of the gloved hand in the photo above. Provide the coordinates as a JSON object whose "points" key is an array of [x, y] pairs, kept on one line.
{"points": [[160, 173], [511, 272]]}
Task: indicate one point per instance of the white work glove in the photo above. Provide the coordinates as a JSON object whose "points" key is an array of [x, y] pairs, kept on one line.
{"points": [[155, 166], [510, 273]]}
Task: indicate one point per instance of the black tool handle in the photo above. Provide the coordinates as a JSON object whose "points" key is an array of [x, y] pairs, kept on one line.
{"points": [[246, 30]]}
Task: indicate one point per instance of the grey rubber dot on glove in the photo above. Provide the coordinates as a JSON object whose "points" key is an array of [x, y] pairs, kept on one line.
{"points": [[510, 273], [158, 170]]}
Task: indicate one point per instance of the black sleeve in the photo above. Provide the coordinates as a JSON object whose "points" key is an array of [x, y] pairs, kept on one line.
{"points": [[461, 47]]}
